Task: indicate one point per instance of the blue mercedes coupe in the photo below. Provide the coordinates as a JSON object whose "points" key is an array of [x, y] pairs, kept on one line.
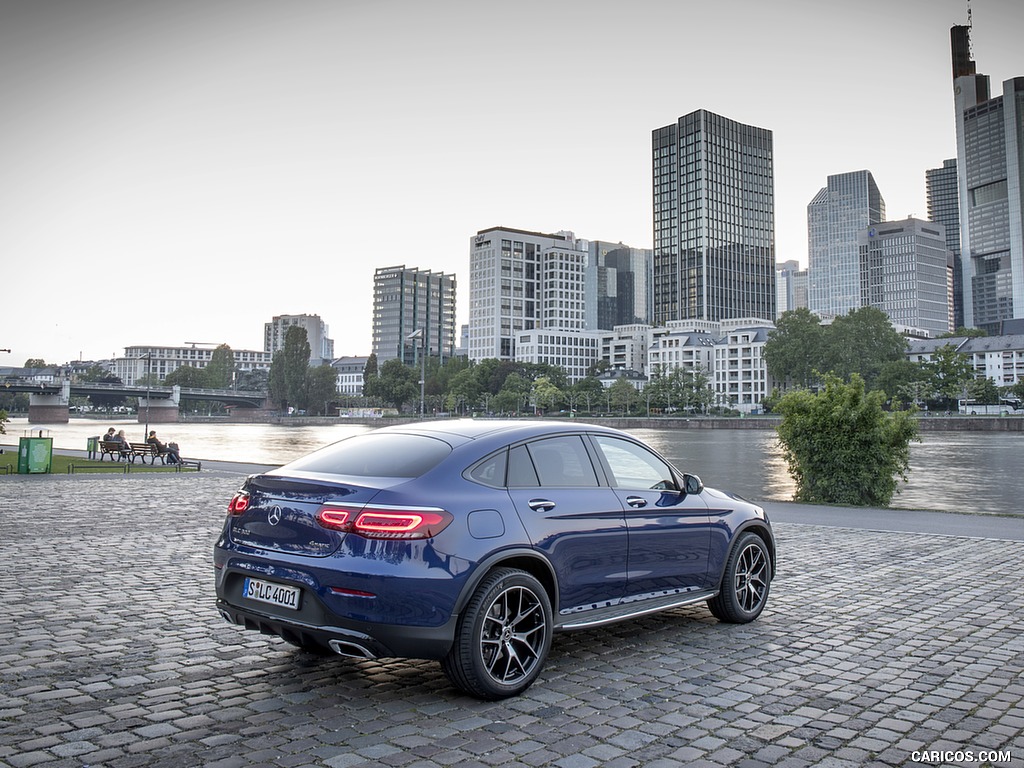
{"points": [[474, 541]]}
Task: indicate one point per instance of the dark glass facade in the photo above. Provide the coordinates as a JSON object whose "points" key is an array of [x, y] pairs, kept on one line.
{"points": [[714, 220], [944, 208]]}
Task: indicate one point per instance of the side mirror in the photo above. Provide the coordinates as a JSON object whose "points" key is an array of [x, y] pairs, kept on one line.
{"points": [[692, 484]]}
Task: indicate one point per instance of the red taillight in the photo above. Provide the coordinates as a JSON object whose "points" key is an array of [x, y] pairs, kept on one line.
{"points": [[386, 524], [239, 503], [334, 518]]}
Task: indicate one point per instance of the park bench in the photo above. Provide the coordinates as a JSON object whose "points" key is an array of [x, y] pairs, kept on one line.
{"points": [[114, 449], [142, 450]]}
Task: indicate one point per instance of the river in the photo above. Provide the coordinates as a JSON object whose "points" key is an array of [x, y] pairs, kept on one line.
{"points": [[949, 471]]}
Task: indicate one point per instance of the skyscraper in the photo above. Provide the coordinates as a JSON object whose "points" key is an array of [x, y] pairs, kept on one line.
{"points": [[990, 163], [617, 285], [714, 220], [944, 209], [836, 216], [413, 314]]}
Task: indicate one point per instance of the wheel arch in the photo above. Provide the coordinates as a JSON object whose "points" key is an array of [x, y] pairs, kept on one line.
{"points": [[761, 530], [526, 560]]}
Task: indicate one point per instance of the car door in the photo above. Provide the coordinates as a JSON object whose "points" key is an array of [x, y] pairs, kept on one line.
{"points": [[669, 531], [576, 521]]}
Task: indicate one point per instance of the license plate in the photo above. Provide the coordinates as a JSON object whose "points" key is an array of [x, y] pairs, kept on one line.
{"points": [[268, 592]]}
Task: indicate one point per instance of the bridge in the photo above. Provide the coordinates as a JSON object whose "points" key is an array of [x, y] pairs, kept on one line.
{"points": [[48, 402]]}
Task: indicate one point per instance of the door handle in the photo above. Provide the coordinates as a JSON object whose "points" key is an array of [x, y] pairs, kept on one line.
{"points": [[636, 501], [541, 505]]}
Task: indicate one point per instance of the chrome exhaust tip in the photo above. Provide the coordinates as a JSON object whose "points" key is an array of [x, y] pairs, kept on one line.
{"points": [[351, 650]]}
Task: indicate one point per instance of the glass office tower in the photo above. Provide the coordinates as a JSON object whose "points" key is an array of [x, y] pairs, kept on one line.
{"points": [[990, 160], [714, 220], [944, 209], [835, 218]]}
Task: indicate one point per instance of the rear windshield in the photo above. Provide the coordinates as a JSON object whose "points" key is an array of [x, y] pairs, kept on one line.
{"points": [[376, 455]]}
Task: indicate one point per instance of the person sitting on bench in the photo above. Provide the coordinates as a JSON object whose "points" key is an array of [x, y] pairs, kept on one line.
{"points": [[164, 449]]}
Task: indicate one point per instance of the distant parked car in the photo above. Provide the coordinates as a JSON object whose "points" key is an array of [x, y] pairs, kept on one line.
{"points": [[472, 542]]}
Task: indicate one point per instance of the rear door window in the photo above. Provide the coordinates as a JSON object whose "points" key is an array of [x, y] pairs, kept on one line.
{"points": [[563, 461]]}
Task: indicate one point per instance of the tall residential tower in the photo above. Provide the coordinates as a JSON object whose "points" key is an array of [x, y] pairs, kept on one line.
{"points": [[714, 220]]}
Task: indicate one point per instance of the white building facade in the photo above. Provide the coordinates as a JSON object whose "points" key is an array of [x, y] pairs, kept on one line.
{"points": [[522, 281], [321, 348], [163, 361]]}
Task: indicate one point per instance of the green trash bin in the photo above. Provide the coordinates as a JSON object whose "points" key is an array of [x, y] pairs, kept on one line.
{"points": [[35, 455], [92, 446]]}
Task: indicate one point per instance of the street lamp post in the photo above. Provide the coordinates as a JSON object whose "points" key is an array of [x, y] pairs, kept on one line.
{"points": [[421, 335], [145, 435]]}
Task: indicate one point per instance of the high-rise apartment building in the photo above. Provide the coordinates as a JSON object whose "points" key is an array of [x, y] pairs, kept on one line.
{"points": [[413, 314], [836, 216], [944, 208], [522, 281], [321, 348], [714, 220], [617, 285], [906, 272], [990, 164]]}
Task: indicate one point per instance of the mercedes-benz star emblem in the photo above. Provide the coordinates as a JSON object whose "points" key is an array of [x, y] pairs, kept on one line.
{"points": [[275, 515]]}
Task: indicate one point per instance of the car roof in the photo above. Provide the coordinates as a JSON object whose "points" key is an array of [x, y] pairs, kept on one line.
{"points": [[472, 429]]}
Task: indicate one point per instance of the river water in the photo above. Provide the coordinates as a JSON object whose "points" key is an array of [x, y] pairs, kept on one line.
{"points": [[949, 471]]}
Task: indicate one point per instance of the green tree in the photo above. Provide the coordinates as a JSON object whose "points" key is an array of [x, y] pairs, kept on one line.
{"points": [[296, 364], [253, 380], [187, 376], [903, 381], [3, 420], [623, 396], [396, 384], [106, 401], [36, 362], [948, 373], [841, 446], [220, 371], [463, 390], [277, 385], [587, 392], [321, 389], [983, 391], [370, 369], [795, 349], [862, 342], [544, 393], [514, 394]]}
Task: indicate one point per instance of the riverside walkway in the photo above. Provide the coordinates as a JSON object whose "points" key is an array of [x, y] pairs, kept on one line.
{"points": [[890, 638]]}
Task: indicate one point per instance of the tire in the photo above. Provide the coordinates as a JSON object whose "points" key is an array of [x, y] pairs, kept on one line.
{"points": [[745, 583], [503, 637]]}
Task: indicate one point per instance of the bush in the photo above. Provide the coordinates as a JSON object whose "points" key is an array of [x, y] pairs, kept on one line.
{"points": [[842, 447]]}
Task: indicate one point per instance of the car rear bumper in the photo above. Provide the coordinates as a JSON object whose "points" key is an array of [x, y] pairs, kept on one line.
{"points": [[314, 625]]}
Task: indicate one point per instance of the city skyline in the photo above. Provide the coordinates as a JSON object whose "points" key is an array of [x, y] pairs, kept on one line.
{"points": [[223, 162]]}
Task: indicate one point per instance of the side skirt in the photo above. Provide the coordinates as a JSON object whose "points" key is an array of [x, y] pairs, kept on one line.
{"points": [[630, 610]]}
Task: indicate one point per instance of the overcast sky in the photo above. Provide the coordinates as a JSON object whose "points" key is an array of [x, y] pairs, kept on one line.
{"points": [[183, 170]]}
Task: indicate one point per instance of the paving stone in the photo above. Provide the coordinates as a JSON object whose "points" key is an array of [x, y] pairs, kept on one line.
{"points": [[872, 646]]}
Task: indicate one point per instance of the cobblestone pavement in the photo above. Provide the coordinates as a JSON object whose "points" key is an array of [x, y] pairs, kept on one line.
{"points": [[875, 647]]}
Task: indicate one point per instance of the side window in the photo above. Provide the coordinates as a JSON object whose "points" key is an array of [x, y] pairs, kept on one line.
{"points": [[563, 461], [521, 473], [490, 471], [633, 466]]}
